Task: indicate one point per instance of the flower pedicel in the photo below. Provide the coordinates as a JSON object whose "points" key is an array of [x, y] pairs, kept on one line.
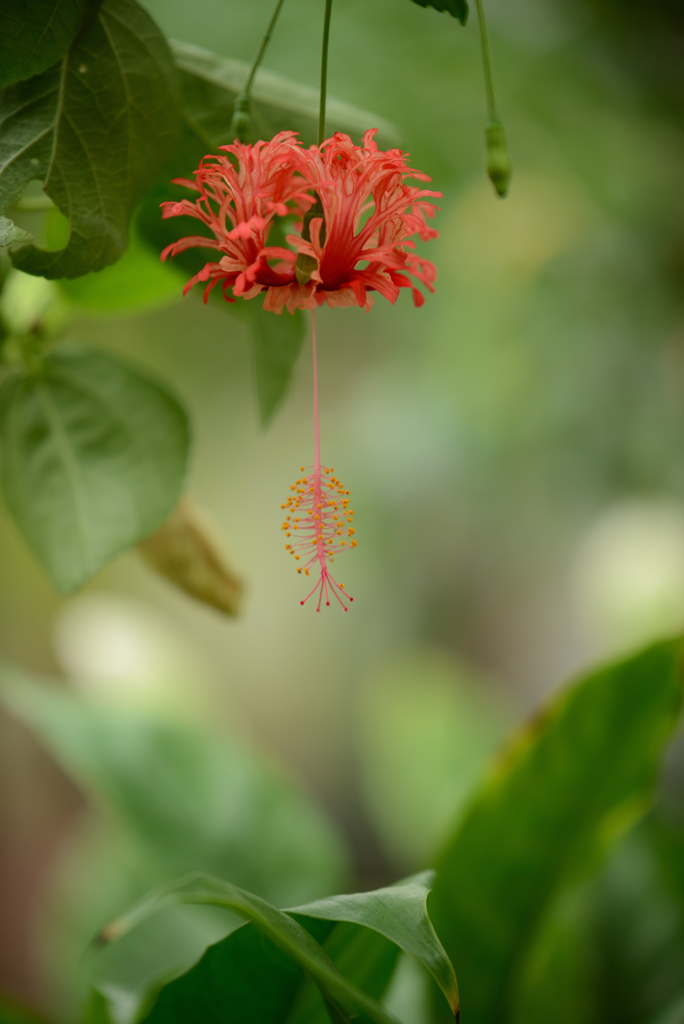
{"points": [[355, 213]]}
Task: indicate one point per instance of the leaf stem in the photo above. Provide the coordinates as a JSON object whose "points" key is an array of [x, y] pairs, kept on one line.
{"points": [[324, 71], [487, 62]]}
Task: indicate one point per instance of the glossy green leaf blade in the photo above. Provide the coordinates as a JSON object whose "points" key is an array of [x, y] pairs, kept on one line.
{"points": [[566, 788], [278, 927], [361, 955], [244, 977], [557, 980], [638, 914], [94, 459], [456, 8], [38, 33], [96, 128], [399, 912]]}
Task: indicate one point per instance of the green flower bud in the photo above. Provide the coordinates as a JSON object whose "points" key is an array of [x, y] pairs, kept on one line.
{"points": [[499, 166]]}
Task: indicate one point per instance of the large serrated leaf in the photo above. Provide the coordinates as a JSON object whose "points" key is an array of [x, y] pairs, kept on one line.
{"points": [[96, 128], [94, 457], [456, 8], [566, 789], [38, 33]]}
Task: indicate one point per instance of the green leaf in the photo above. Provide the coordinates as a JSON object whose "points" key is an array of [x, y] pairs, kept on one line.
{"points": [[228, 982], [98, 1009], [557, 799], [94, 459], [244, 976], [96, 128], [638, 913], [399, 913], [35, 34], [209, 85], [363, 956], [456, 8], [277, 342], [191, 797], [557, 981], [10, 234]]}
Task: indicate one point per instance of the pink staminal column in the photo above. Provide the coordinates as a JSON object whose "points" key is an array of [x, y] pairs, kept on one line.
{"points": [[318, 517]]}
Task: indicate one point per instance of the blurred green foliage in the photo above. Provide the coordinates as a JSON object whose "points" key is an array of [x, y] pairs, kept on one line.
{"points": [[497, 440]]}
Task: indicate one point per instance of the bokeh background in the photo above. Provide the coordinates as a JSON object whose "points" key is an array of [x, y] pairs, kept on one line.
{"points": [[514, 451]]}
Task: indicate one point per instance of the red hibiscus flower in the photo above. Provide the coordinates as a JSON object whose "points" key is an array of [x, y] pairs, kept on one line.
{"points": [[354, 241]]}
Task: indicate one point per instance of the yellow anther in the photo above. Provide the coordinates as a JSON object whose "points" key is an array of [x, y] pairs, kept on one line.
{"points": [[296, 558], [301, 469], [341, 586], [342, 543], [354, 544], [350, 531]]}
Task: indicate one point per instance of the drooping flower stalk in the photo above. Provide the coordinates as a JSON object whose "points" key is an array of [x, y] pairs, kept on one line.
{"points": [[317, 514], [242, 108]]}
